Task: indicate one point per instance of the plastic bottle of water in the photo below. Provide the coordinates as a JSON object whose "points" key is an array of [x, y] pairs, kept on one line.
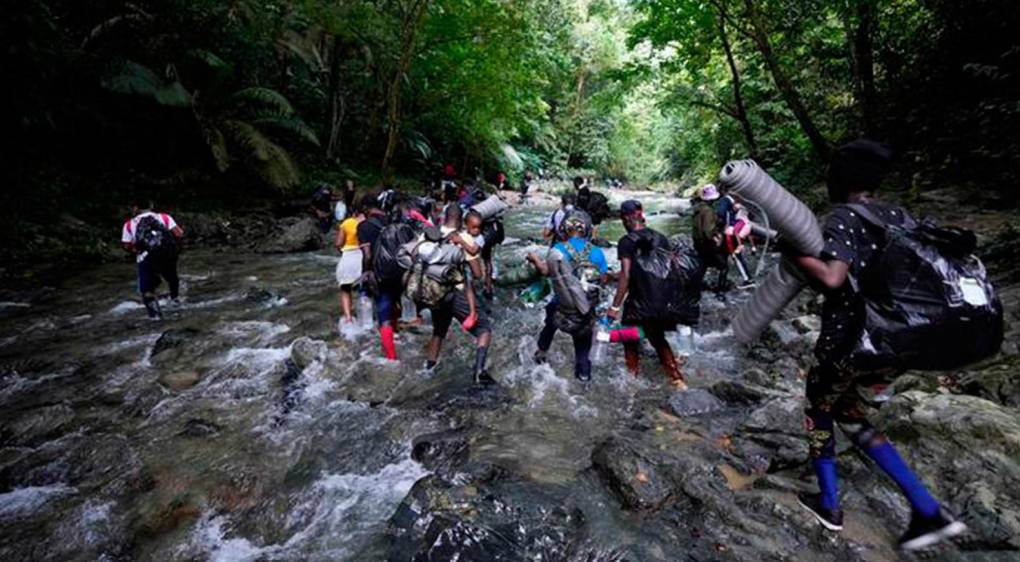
{"points": [[365, 311], [408, 312], [600, 347], [683, 341]]}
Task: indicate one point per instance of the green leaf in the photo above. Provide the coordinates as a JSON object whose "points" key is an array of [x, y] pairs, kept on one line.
{"points": [[265, 97], [133, 79]]}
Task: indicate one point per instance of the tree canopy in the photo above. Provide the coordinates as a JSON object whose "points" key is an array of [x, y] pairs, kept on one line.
{"points": [[268, 96]]}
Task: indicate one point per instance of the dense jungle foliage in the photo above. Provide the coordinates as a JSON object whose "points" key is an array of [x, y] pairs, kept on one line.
{"points": [[228, 100]]}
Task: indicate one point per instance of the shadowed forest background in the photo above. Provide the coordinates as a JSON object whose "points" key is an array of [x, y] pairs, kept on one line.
{"points": [[220, 104]]}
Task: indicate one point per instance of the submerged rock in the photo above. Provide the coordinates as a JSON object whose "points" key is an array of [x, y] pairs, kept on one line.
{"points": [[199, 428], [174, 338], [180, 380], [305, 351]]}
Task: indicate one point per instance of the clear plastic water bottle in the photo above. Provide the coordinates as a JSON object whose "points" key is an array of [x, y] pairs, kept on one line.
{"points": [[365, 311], [600, 347], [408, 312], [683, 341]]}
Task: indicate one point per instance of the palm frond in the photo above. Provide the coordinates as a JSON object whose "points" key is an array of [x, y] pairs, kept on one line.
{"points": [[268, 160], [217, 147], [291, 125], [131, 78], [265, 97]]}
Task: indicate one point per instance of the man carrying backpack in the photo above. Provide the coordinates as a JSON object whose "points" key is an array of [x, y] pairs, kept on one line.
{"points": [[707, 237], [852, 251], [552, 227], [380, 240], [577, 269], [639, 308], [154, 239]]}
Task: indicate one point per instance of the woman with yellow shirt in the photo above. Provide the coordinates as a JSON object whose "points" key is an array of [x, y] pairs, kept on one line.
{"points": [[348, 271]]}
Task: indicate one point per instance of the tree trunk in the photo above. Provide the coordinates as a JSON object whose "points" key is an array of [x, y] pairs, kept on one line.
{"points": [[786, 88], [337, 100], [863, 59], [738, 99], [411, 25]]}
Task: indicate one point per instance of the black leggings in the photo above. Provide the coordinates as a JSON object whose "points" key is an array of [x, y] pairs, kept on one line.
{"points": [[582, 341]]}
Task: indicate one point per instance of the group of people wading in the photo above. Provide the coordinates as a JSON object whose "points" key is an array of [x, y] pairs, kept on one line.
{"points": [[435, 254]]}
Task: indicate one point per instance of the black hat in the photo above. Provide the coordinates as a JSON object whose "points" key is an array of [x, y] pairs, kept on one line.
{"points": [[630, 206]]}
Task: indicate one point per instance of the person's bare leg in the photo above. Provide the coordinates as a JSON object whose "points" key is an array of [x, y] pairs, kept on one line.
{"points": [[347, 305], [632, 357], [434, 347]]}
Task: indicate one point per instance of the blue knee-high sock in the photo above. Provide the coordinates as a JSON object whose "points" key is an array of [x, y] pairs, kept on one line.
{"points": [[828, 482], [886, 457]]}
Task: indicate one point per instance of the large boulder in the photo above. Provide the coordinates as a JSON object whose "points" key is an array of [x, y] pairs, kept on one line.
{"points": [[298, 235], [968, 450]]}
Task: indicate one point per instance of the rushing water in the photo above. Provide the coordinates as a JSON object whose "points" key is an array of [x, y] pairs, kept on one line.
{"points": [[209, 443]]}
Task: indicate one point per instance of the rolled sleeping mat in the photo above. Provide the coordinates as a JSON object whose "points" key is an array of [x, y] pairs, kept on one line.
{"points": [[519, 275], [490, 208], [794, 221], [791, 218], [768, 300]]}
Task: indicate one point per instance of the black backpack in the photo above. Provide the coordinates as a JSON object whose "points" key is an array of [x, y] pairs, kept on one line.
{"points": [[385, 250], [665, 281], [153, 237], [493, 232], [928, 303]]}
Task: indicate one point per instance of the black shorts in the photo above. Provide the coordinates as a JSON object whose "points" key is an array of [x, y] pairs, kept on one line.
{"points": [[455, 305]]}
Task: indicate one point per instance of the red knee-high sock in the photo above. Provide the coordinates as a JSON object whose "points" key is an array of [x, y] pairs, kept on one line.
{"points": [[388, 347]]}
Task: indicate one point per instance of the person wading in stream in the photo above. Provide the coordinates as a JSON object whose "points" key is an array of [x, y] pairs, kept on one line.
{"points": [[855, 171], [641, 240], [552, 227], [380, 281], [154, 239], [578, 270], [453, 297], [348, 269]]}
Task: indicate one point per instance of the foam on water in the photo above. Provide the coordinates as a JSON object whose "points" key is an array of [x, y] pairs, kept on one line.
{"points": [[21, 502], [330, 518], [125, 307]]}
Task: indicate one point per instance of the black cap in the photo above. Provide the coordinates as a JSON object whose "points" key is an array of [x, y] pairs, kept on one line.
{"points": [[630, 206]]}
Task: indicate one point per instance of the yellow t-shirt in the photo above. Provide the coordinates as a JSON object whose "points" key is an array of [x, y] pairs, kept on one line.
{"points": [[350, 231]]}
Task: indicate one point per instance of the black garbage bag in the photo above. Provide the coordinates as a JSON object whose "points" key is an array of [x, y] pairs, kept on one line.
{"points": [[929, 304]]}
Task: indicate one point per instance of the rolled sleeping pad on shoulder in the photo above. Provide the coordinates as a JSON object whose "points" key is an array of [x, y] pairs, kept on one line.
{"points": [[490, 208], [762, 232], [791, 218], [794, 221]]}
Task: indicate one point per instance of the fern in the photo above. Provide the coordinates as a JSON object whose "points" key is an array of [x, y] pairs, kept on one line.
{"points": [[269, 161], [265, 97], [131, 78], [291, 125], [217, 146]]}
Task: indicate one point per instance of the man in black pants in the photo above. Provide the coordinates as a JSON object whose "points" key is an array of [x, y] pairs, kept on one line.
{"points": [[153, 238]]}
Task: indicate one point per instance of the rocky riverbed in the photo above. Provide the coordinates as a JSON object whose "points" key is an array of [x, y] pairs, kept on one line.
{"points": [[246, 428]]}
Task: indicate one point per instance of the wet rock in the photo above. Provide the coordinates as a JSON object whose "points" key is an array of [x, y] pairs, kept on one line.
{"points": [[174, 338], [738, 393], [998, 382], [633, 473], [694, 402], [29, 427], [298, 235], [258, 295], [507, 521], [774, 432], [441, 452], [196, 427], [968, 450], [807, 324], [305, 351], [180, 380]]}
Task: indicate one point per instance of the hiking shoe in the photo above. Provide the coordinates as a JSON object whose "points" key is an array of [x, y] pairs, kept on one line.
{"points": [[926, 531], [539, 357], [831, 519], [583, 377], [484, 378]]}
